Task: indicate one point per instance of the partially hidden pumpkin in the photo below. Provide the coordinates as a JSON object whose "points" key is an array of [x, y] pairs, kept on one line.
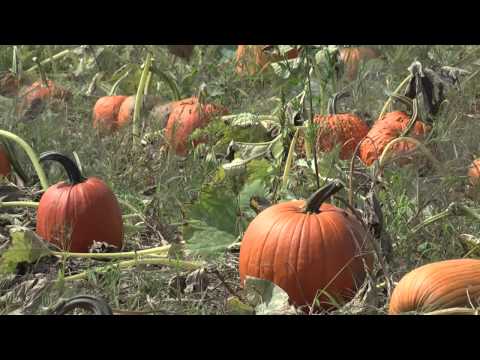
{"points": [[344, 129], [351, 58], [36, 96], [436, 286], [186, 116], [251, 59], [305, 247], [386, 129], [474, 173], [111, 113], [5, 167], [105, 112], [72, 215]]}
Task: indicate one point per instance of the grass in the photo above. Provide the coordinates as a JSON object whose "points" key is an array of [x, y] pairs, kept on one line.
{"points": [[162, 187]]}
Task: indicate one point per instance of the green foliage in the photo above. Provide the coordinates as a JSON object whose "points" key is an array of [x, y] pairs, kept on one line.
{"points": [[26, 247]]}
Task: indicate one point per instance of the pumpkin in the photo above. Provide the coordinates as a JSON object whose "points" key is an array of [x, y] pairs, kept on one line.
{"points": [[35, 96], [305, 247], [351, 58], [125, 114], [474, 173], [186, 116], [386, 129], [4, 162], [345, 129], [105, 112], [439, 285], [72, 215], [251, 59]]}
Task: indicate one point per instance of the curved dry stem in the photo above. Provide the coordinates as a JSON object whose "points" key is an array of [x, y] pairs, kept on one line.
{"points": [[180, 264], [288, 163], [130, 254], [417, 143], [139, 97], [396, 91], [30, 153], [31, 204]]}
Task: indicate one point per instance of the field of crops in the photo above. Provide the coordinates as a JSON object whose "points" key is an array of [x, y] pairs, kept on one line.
{"points": [[239, 179]]}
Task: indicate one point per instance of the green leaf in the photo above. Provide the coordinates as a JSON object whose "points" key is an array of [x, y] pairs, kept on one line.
{"points": [[216, 208], [268, 298], [26, 246], [206, 241], [258, 169]]}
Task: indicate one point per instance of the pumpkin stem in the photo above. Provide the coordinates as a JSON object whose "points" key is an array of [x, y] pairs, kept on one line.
{"points": [[312, 205], [73, 172], [332, 102]]}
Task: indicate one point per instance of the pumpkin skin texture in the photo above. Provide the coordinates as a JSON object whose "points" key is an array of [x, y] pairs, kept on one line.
{"points": [[439, 285], [105, 112], [386, 129], [351, 58], [304, 252], [186, 116], [5, 168], [474, 173], [125, 113], [73, 215], [345, 129], [251, 59]]}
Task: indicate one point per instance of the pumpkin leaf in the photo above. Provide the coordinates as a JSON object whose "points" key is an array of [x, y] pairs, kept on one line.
{"points": [[26, 246], [215, 208], [236, 307], [268, 298], [207, 241]]}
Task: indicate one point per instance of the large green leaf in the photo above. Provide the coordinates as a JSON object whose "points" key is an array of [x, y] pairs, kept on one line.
{"points": [[26, 246], [217, 208], [206, 241]]}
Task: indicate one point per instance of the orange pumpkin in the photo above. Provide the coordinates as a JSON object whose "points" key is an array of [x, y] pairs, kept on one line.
{"points": [[386, 129], [439, 285], [186, 116], [105, 112], [5, 168], [252, 58], [351, 58], [474, 173], [35, 96], [305, 247], [73, 214], [345, 129]]}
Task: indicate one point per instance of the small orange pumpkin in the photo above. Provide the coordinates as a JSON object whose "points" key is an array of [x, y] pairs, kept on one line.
{"points": [[72, 215], [439, 285], [253, 58], [351, 58], [105, 112], [5, 167], [36, 95], [345, 129], [305, 247], [186, 116], [386, 129], [474, 173]]}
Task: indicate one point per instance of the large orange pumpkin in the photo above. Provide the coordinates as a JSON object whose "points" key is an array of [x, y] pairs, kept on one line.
{"points": [[105, 112], [4, 162], [35, 96], [252, 58], [345, 129], [386, 129], [186, 116], [351, 58], [73, 214], [439, 285], [305, 247], [474, 172]]}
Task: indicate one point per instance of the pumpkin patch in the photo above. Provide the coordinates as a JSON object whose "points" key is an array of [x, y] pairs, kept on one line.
{"points": [[222, 179]]}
